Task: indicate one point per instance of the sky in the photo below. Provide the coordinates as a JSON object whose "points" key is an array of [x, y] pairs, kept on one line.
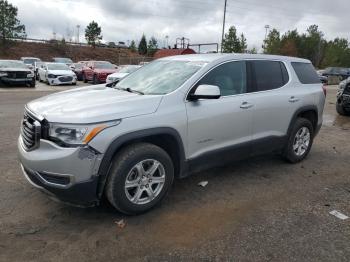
{"points": [[198, 20]]}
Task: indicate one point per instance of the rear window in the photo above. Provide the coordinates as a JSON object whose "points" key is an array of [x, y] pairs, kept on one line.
{"points": [[306, 73], [270, 75]]}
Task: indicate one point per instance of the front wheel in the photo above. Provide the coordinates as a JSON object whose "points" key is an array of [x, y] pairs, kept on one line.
{"points": [[139, 178], [95, 80], [84, 78], [300, 141]]}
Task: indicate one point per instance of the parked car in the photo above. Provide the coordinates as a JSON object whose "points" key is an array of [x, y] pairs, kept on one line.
{"points": [[37, 65], [97, 71], [63, 60], [30, 61], [173, 117], [323, 79], [57, 74], [343, 98], [14, 72], [112, 45], [121, 44], [124, 71], [342, 72], [77, 68]]}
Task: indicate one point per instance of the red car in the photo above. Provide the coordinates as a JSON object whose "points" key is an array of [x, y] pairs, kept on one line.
{"points": [[97, 71]]}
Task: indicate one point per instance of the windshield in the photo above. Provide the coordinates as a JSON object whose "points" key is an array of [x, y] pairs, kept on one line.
{"points": [[57, 67], [128, 69], [12, 64], [63, 60], [78, 66], [30, 61], [160, 77], [104, 65]]}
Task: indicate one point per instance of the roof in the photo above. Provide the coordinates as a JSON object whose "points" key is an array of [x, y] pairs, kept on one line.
{"points": [[173, 52], [223, 56]]}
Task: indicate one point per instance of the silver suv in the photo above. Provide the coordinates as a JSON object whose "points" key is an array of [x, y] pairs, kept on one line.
{"points": [[173, 117]]}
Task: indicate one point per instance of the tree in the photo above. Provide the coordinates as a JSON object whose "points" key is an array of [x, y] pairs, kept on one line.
{"points": [[10, 26], [233, 44], [290, 44], [132, 46], [272, 43], [243, 44], [93, 33], [152, 46], [313, 44], [143, 45]]}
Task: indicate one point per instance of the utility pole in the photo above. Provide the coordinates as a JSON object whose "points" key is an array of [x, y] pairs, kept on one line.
{"points": [[223, 26], [78, 32]]}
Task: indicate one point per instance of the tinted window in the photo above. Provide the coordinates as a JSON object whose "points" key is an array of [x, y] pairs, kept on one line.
{"points": [[270, 75], [306, 73], [230, 77]]}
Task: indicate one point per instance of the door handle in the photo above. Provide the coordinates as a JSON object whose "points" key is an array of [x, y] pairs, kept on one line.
{"points": [[246, 105], [293, 99]]}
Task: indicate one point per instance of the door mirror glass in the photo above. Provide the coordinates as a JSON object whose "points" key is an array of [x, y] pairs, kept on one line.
{"points": [[205, 92]]}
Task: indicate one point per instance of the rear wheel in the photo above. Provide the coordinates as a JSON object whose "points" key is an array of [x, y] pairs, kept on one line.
{"points": [[32, 83], [341, 110], [95, 80], [139, 178], [299, 141], [84, 78]]}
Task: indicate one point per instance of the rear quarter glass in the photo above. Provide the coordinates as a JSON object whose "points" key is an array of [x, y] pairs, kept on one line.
{"points": [[306, 73]]}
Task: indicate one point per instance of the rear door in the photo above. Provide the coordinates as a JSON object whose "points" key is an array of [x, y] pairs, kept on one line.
{"points": [[275, 100]]}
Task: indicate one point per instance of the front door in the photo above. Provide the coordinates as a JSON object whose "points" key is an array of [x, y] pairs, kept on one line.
{"points": [[220, 129]]}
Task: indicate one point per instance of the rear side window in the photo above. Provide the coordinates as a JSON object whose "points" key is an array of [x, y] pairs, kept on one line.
{"points": [[306, 73], [269, 75]]}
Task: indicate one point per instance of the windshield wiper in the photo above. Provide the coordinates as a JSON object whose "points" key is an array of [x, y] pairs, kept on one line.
{"points": [[134, 91], [129, 90]]}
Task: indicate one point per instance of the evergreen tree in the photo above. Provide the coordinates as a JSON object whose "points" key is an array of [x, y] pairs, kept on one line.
{"points": [[132, 46], [143, 45], [93, 33], [152, 46], [272, 43], [231, 43]]}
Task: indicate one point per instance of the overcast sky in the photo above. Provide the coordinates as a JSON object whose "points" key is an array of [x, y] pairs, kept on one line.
{"points": [[198, 20]]}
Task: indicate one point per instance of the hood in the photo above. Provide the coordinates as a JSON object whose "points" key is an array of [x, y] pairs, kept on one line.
{"points": [[93, 104], [10, 69], [61, 72], [106, 71]]}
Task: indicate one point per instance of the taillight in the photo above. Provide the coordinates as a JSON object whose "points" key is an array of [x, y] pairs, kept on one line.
{"points": [[324, 90]]}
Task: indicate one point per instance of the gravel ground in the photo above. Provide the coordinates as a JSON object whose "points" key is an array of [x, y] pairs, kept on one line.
{"points": [[258, 210]]}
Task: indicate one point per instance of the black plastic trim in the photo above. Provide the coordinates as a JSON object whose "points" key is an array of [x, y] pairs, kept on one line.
{"points": [[134, 136]]}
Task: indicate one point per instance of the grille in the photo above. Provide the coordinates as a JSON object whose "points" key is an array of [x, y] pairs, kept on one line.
{"points": [[17, 74], [30, 132], [65, 78]]}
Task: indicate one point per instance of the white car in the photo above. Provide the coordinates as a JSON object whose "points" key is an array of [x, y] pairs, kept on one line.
{"points": [[57, 74], [123, 72]]}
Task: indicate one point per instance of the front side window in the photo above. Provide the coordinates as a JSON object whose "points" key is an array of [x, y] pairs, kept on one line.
{"points": [[269, 75], [230, 77]]}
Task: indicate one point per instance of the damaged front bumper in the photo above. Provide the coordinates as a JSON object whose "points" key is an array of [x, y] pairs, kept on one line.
{"points": [[67, 174]]}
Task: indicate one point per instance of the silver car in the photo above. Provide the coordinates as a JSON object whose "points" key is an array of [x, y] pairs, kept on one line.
{"points": [[171, 118]]}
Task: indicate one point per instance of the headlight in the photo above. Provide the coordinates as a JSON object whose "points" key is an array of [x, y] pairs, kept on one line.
{"points": [[77, 134], [3, 74], [51, 76], [30, 75]]}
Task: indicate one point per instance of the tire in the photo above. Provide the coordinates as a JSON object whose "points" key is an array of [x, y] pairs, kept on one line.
{"points": [[74, 84], [32, 83], [39, 78], [341, 110], [124, 166], [84, 78], [291, 153], [95, 80]]}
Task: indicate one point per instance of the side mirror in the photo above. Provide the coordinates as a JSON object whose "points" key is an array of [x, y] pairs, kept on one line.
{"points": [[205, 92]]}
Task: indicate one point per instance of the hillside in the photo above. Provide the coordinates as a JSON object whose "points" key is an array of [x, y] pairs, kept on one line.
{"points": [[46, 52]]}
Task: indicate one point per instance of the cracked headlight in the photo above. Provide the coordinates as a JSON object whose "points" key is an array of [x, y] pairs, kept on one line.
{"points": [[76, 134]]}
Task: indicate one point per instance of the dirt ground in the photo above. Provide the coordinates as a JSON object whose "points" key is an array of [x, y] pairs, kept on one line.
{"points": [[258, 210]]}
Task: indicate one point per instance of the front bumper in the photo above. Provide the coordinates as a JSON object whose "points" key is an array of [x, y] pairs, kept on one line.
{"points": [[67, 174], [17, 80], [60, 81]]}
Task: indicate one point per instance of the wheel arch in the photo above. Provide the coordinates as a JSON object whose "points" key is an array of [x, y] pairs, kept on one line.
{"points": [[308, 112], [166, 138]]}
